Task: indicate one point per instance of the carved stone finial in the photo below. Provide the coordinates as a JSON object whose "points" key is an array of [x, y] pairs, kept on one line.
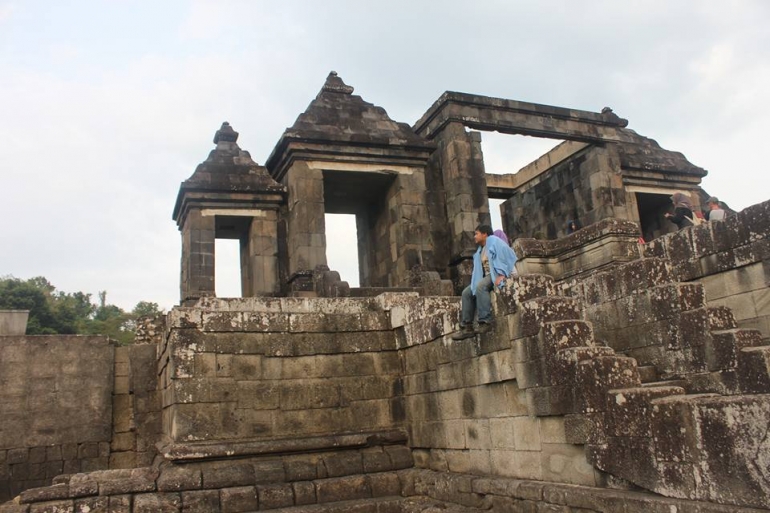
{"points": [[334, 84], [225, 134], [611, 117]]}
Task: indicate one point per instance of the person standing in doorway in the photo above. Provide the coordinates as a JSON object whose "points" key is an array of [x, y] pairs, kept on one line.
{"points": [[492, 263], [715, 211], [682, 216]]}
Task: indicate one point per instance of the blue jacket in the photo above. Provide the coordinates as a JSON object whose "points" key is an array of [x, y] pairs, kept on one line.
{"points": [[501, 261]]}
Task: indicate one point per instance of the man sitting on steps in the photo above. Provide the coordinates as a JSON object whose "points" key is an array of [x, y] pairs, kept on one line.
{"points": [[492, 263]]}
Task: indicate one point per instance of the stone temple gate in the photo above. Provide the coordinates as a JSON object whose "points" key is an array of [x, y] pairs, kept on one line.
{"points": [[417, 193], [619, 376]]}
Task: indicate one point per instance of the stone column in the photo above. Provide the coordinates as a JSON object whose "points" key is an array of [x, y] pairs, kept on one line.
{"points": [[467, 203], [259, 256], [198, 235], [306, 237], [411, 246]]}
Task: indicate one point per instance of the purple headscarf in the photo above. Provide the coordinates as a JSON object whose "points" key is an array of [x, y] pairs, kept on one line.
{"points": [[501, 234]]}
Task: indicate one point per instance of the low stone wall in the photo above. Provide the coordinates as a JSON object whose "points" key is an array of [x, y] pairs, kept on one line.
{"points": [[56, 408], [264, 368], [468, 411], [598, 246]]}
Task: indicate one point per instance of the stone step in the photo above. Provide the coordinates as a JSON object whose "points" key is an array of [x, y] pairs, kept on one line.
{"points": [[666, 383], [648, 374], [721, 318], [379, 505], [754, 369], [392, 504], [723, 346]]}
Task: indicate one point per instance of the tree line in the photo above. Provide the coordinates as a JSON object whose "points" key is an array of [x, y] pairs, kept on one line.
{"points": [[54, 312]]}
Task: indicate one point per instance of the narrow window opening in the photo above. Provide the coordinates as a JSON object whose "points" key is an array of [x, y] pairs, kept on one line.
{"points": [[227, 268]]}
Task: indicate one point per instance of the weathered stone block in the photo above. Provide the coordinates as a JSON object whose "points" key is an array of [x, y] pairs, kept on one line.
{"points": [[535, 313], [65, 506], [174, 478], [92, 505], [200, 501], [596, 376], [566, 463], [275, 496], [723, 348], [81, 485], [304, 493], [342, 489], [673, 425], [400, 456], [301, 468], [238, 499], [754, 369], [385, 484], [47, 493], [628, 410], [120, 504], [157, 503], [343, 463], [375, 459], [128, 481], [551, 400], [229, 476]]}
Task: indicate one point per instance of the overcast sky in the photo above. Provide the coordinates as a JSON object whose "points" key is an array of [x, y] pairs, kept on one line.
{"points": [[106, 106]]}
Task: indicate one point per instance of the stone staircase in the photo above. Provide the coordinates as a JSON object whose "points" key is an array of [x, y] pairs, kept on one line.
{"points": [[701, 433]]}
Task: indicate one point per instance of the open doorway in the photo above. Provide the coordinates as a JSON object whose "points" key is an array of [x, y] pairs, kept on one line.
{"points": [[652, 209], [342, 246]]}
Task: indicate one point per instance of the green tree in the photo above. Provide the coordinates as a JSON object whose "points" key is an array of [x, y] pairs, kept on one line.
{"points": [[33, 295], [55, 312], [146, 309]]}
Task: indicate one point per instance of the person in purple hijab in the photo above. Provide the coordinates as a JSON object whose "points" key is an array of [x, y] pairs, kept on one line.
{"points": [[501, 234]]}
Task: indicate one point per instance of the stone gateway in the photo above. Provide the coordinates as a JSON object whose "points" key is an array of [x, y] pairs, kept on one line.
{"points": [[618, 376]]}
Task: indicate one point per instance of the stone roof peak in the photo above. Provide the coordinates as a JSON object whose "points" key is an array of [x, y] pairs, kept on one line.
{"points": [[225, 134], [334, 84]]}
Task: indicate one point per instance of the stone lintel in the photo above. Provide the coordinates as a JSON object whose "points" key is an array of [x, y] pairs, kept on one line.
{"points": [[181, 452], [489, 113], [323, 154], [227, 203]]}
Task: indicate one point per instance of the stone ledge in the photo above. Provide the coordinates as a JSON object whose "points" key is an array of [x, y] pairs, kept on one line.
{"points": [[179, 452]]}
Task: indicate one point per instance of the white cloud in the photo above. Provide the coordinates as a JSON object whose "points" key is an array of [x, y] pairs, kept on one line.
{"points": [[6, 11], [96, 144]]}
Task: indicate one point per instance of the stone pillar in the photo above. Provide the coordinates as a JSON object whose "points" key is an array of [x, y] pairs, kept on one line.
{"points": [[467, 203], [198, 235], [306, 237], [411, 246], [259, 256]]}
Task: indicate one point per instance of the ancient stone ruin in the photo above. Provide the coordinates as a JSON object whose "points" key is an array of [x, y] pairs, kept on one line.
{"points": [[619, 376]]}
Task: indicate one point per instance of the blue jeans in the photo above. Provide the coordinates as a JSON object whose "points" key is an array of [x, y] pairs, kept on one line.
{"points": [[482, 302]]}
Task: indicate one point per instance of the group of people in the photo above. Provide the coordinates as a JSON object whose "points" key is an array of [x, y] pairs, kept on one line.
{"points": [[683, 215]]}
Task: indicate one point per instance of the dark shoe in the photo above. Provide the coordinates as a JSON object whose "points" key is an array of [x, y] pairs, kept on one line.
{"points": [[465, 332], [484, 327]]}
